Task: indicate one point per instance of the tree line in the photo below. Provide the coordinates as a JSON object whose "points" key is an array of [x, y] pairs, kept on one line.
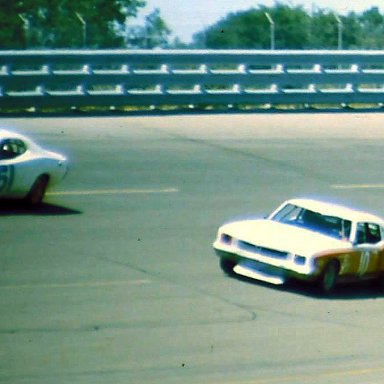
{"points": [[294, 28], [100, 24], [95, 24]]}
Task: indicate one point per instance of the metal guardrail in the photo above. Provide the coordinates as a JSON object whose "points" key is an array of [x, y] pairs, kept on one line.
{"points": [[182, 77]]}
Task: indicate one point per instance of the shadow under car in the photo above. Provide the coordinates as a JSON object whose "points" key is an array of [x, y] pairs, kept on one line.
{"points": [[10, 207]]}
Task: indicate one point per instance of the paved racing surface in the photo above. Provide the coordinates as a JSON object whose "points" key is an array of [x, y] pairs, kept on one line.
{"points": [[114, 279]]}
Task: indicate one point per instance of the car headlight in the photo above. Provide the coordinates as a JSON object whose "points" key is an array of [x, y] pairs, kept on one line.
{"points": [[225, 239], [300, 260]]}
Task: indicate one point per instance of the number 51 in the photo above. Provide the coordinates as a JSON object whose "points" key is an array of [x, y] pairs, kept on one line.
{"points": [[7, 173]]}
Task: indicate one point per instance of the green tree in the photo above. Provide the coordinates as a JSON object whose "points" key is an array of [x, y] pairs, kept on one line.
{"points": [[251, 29], [372, 22], [324, 30], [153, 34], [352, 32], [11, 25], [178, 44], [54, 24], [248, 29], [294, 29], [157, 30]]}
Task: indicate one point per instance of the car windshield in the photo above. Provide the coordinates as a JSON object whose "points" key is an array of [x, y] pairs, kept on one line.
{"points": [[327, 225]]}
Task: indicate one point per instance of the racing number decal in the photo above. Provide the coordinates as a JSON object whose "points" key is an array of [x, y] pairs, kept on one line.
{"points": [[7, 173], [364, 262]]}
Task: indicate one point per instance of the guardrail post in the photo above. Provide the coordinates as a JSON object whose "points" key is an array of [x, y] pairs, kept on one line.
{"points": [[125, 68], [120, 89], [46, 69], [242, 68], [5, 70], [80, 90], [40, 90], [87, 69]]}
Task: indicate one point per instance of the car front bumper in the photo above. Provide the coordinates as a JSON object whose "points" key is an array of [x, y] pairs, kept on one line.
{"points": [[258, 268]]}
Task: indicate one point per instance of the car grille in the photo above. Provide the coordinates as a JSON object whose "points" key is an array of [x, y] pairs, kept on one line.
{"points": [[262, 250]]}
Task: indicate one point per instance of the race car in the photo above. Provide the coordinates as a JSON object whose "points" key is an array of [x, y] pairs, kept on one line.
{"points": [[305, 239], [26, 169]]}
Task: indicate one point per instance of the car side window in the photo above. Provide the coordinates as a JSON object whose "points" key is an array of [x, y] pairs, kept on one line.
{"points": [[373, 233], [11, 148], [368, 233], [360, 233], [21, 146]]}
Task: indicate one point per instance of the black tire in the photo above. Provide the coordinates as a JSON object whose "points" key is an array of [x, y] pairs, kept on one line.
{"points": [[227, 266], [379, 283], [328, 277], [37, 192]]}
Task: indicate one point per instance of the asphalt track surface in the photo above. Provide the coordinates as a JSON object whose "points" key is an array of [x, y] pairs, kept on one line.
{"points": [[114, 280]]}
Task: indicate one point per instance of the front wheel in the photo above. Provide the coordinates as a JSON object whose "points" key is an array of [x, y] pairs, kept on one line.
{"points": [[328, 278], [227, 265], [380, 283], [37, 192]]}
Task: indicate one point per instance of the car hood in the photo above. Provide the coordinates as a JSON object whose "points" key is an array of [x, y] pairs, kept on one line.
{"points": [[282, 237], [55, 156]]}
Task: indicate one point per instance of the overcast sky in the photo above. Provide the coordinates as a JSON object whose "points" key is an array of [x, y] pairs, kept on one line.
{"points": [[186, 17]]}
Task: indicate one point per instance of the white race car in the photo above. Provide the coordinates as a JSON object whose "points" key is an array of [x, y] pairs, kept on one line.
{"points": [[307, 240], [26, 169]]}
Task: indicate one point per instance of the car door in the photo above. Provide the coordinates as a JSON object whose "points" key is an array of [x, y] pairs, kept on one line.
{"points": [[8, 152], [7, 174], [369, 245], [17, 170]]}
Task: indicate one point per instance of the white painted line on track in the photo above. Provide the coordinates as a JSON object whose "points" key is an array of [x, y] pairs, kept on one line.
{"points": [[113, 192], [357, 186], [347, 373], [84, 284]]}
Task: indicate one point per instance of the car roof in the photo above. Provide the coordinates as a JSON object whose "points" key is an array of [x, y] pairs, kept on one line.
{"points": [[4, 133], [331, 209], [8, 134]]}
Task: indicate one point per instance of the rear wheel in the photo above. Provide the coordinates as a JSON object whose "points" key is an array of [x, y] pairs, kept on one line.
{"points": [[380, 282], [37, 192], [227, 265], [328, 278]]}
